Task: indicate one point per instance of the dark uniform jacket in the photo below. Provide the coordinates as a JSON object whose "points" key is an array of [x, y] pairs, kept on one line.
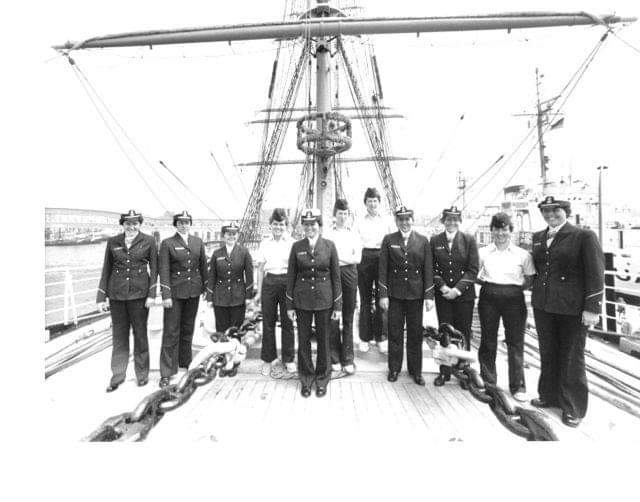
{"points": [[405, 273], [313, 279], [129, 274], [183, 267], [456, 267], [570, 272], [230, 277]]}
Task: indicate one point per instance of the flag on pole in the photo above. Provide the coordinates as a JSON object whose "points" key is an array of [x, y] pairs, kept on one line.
{"points": [[556, 125]]}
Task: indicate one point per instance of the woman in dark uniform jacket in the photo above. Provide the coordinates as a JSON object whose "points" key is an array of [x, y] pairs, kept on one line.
{"points": [[566, 298], [455, 263], [315, 292], [128, 287], [230, 280], [183, 277]]}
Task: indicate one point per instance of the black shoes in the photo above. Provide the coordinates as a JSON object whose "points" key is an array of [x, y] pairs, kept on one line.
{"points": [[418, 379], [541, 403], [321, 391], [164, 382], [306, 391], [233, 371], [440, 380], [569, 420], [392, 376], [113, 387], [143, 382]]}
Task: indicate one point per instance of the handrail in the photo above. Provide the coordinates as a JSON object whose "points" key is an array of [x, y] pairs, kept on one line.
{"points": [[49, 284], [64, 269]]}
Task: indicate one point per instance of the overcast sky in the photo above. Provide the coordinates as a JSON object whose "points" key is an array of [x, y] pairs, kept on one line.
{"points": [[180, 103]]}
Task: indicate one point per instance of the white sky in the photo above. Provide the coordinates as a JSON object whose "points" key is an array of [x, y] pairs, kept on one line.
{"points": [[180, 103]]}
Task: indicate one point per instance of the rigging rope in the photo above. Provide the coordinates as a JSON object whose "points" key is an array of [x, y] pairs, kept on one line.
{"points": [[190, 191], [114, 135]]}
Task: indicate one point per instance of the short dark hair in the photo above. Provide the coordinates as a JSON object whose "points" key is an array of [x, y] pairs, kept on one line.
{"points": [[372, 193], [279, 214], [501, 220], [340, 205]]}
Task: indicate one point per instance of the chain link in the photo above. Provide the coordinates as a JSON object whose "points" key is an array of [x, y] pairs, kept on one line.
{"points": [[529, 424], [135, 425]]}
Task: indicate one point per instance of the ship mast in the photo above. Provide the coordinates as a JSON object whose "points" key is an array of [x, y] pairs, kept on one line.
{"points": [[325, 133], [540, 117]]}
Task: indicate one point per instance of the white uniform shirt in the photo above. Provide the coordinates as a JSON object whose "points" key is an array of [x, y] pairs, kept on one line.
{"points": [[507, 266], [347, 244], [274, 254], [372, 230]]}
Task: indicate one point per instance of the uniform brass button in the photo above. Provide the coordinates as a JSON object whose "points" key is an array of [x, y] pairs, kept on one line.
{"points": [[313, 287], [406, 278], [127, 278], [128, 270], [188, 270], [178, 273], [229, 287]]}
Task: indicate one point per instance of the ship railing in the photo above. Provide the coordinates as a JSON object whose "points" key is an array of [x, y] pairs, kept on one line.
{"points": [[70, 294]]}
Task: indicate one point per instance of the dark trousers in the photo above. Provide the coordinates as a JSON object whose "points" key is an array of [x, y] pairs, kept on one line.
{"points": [[273, 295], [125, 315], [411, 312], [506, 302], [342, 341], [228, 316], [371, 323], [177, 334], [306, 371], [458, 314], [563, 379]]}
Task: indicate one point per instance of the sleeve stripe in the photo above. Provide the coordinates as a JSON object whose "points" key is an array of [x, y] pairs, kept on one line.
{"points": [[210, 291], [594, 294], [102, 291], [249, 286], [429, 289], [165, 286], [466, 280], [383, 285], [334, 301], [289, 297]]}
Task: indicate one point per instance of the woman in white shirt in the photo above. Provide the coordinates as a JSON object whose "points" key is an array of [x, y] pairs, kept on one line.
{"points": [[505, 270], [349, 252], [272, 260]]}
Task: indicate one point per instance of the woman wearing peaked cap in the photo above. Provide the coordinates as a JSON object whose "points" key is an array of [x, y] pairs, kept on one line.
{"points": [[566, 298], [314, 292], [183, 277], [406, 286], [455, 263], [230, 281], [128, 287]]}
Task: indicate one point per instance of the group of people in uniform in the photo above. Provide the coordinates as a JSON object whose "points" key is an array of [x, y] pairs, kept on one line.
{"points": [[399, 275]]}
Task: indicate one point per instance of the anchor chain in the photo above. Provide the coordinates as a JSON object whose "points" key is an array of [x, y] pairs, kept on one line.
{"points": [[135, 425], [527, 423]]}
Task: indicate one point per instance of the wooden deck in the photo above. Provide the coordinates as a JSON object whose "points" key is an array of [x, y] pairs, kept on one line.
{"points": [[264, 411]]}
